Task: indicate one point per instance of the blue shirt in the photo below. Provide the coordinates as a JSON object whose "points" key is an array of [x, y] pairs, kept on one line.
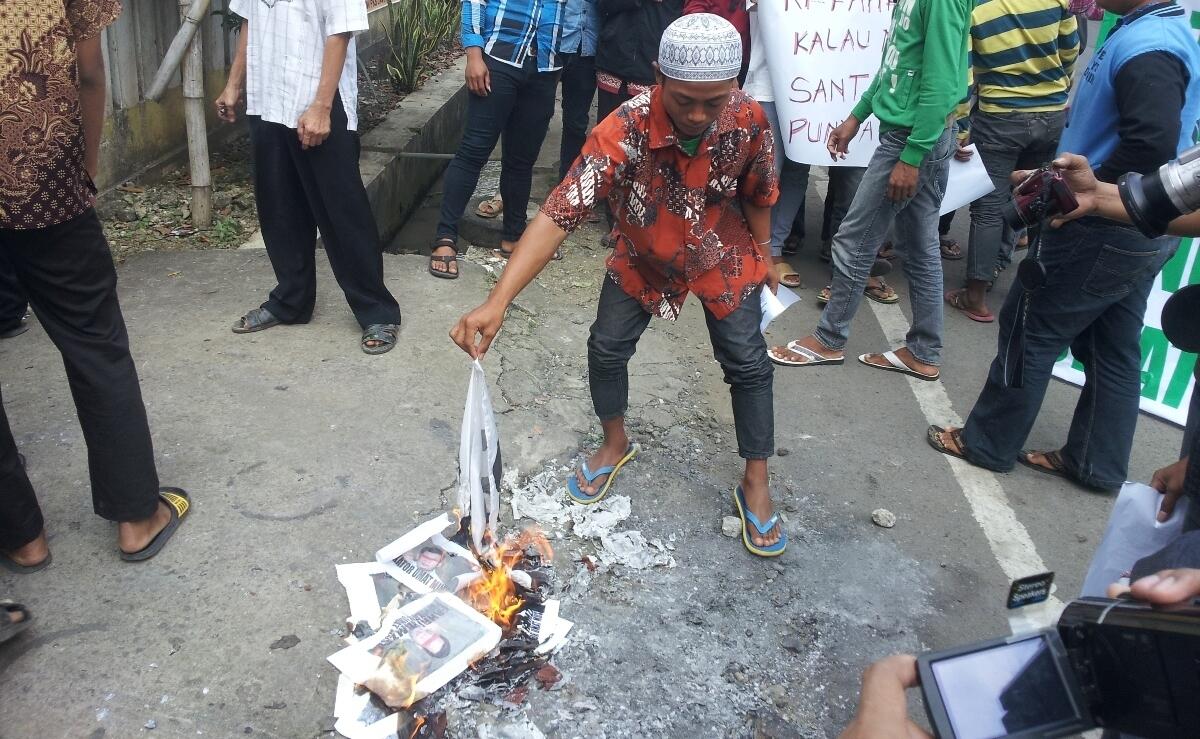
{"points": [[581, 23], [1092, 126], [510, 30]]}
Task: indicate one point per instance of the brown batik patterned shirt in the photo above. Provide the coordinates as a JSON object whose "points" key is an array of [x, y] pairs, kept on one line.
{"points": [[42, 177], [679, 217]]}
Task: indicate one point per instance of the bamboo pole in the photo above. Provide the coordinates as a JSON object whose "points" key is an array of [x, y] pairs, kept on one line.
{"points": [[197, 128], [196, 10]]}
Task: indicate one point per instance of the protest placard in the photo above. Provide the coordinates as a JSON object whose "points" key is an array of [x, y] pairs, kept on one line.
{"points": [[822, 55]]}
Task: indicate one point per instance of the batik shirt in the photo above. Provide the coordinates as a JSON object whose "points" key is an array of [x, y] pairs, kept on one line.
{"points": [[679, 218], [42, 177]]}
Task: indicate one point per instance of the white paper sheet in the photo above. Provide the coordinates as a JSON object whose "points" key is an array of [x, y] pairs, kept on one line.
{"points": [[1133, 532], [773, 305], [968, 182]]}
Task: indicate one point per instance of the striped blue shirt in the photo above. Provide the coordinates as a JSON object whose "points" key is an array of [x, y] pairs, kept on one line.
{"points": [[510, 30]]}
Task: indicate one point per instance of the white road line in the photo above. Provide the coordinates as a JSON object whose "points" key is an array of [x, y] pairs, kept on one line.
{"points": [[1009, 540]]}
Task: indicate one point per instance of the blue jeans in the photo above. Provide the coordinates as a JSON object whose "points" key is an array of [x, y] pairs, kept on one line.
{"points": [[1098, 275], [519, 108], [863, 231], [737, 344], [793, 182], [1006, 142]]}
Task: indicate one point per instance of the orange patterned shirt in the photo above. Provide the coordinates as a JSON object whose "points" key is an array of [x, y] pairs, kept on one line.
{"points": [[42, 177], [679, 217]]}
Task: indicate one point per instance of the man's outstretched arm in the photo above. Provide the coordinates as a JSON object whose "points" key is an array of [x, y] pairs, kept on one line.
{"points": [[475, 331]]}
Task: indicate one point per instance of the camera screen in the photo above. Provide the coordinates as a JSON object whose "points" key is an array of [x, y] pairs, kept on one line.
{"points": [[1004, 690]]}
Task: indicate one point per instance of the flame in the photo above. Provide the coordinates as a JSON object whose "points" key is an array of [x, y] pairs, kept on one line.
{"points": [[495, 594]]}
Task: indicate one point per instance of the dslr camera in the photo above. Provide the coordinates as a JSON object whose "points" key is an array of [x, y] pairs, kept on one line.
{"points": [[1043, 194], [1156, 199], [1113, 664]]}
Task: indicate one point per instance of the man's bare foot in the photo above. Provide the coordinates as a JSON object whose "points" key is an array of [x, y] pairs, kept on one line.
{"points": [[905, 356], [757, 490], [787, 356], [15, 616], [134, 536], [32, 554], [950, 440], [609, 453]]}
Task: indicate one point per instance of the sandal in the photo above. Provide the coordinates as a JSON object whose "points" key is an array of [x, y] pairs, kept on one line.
{"points": [[1057, 467], [887, 251], [611, 470], [179, 504], [895, 364], [14, 329], [825, 295], [933, 435], [9, 564], [490, 207], [954, 299], [950, 249], [788, 276], [881, 293], [811, 358], [259, 319], [8, 627], [445, 259], [762, 527], [383, 333]]}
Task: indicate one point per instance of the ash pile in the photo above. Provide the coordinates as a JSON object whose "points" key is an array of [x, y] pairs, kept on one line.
{"points": [[437, 622]]}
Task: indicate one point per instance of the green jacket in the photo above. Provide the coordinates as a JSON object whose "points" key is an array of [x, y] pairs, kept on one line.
{"points": [[923, 74]]}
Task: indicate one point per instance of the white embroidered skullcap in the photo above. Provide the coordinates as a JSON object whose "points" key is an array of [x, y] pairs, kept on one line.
{"points": [[700, 47]]}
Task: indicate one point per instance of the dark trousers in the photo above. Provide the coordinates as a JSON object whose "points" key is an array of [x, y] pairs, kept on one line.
{"points": [[13, 303], [517, 112], [1099, 275], [578, 91], [843, 184], [738, 346], [607, 102], [67, 272], [301, 190]]}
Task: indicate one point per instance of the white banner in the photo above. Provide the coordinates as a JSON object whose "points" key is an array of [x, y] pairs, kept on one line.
{"points": [[822, 55], [1168, 379]]}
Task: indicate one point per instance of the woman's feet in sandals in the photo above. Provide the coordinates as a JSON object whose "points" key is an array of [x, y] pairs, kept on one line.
{"points": [[443, 259], [805, 351]]}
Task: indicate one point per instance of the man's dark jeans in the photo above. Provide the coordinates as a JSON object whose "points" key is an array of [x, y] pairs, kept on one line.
{"points": [[578, 92], [1006, 142], [519, 109], [738, 346], [1098, 276]]}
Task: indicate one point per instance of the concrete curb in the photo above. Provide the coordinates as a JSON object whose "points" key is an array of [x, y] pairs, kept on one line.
{"points": [[429, 120]]}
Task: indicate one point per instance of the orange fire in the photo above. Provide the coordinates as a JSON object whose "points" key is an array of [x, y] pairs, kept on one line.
{"points": [[495, 595]]}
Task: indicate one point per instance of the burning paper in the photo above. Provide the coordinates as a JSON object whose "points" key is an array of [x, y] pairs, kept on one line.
{"points": [[361, 715], [418, 649], [371, 591], [426, 561]]}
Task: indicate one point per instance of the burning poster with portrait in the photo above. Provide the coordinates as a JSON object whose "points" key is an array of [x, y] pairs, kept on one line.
{"points": [[372, 592], [418, 649], [427, 561]]}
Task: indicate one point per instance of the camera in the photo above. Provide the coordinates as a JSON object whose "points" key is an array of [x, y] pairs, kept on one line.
{"points": [[1116, 664], [1156, 199], [1043, 194]]}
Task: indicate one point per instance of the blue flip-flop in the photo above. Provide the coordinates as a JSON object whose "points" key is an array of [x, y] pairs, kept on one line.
{"points": [[611, 470], [749, 519]]}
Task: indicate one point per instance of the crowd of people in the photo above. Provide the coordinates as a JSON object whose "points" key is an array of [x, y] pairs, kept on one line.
{"points": [[686, 165]]}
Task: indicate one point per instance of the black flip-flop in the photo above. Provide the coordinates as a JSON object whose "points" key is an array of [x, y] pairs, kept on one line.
{"points": [[1057, 468], [8, 629], [7, 563], [933, 435], [446, 259], [12, 331], [178, 503]]}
